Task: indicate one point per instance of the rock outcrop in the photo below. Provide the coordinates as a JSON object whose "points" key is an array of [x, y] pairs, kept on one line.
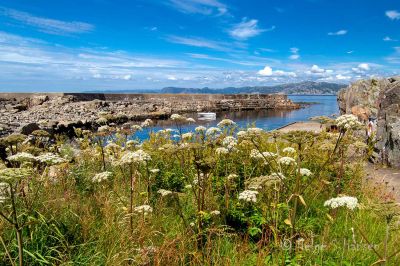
{"points": [[61, 112], [377, 99]]}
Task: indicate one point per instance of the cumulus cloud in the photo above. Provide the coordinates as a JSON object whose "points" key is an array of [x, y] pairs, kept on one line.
{"points": [[47, 25], [388, 39], [361, 68], [338, 33], [393, 14], [247, 29], [267, 71]]}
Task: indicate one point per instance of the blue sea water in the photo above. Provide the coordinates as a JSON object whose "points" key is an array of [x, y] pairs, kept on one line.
{"points": [[266, 119]]}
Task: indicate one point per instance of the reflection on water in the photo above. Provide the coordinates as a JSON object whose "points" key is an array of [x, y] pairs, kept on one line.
{"points": [[265, 119]]}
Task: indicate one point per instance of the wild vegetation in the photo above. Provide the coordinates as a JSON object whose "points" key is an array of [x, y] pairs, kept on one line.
{"points": [[216, 196]]}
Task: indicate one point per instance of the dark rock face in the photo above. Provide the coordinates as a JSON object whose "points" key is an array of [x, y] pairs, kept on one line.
{"points": [[377, 99], [388, 132]]}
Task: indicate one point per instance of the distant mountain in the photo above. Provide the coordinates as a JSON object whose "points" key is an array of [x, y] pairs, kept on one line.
{"points": [[306, 87]]}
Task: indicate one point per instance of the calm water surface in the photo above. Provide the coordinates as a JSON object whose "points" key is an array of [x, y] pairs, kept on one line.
{"points": [[265, 119]]}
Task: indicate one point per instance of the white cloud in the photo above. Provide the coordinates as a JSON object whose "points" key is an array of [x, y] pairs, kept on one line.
{"points": [[342, 77], [199, 42], [47, 25], [392, 14], [247, 29], [295, 53], [338, 33], [388, 39], [267, 71], [203, 7], [317, 69], [361, 68]]}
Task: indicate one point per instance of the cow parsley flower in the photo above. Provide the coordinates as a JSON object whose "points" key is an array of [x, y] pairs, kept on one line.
{"points": [[213, 131], [144, 209], [305, 172], [200, 129], [187, 136], [21, 157], [164, 192], [221, 150], [50, 159], [347, 122], [13, 174], [344, 201], [254, 131], [226, 123], [229, 142], [279, 176], [103, 129], [147, 123], [138, 156], [177, 117], [241, 134], [289, 150], [154, 171], [100, 177], [248, 196], [215, 212], [287, 161]]}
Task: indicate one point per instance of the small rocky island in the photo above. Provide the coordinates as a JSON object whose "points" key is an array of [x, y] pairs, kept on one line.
{"points": [[61, 112]]}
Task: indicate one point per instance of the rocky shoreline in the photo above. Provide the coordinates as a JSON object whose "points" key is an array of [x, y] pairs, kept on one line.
{"points": [[61, 112], [377, 100]]}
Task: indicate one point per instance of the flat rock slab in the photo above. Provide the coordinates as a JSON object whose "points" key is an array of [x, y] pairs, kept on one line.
{"points": [[302, 126]]}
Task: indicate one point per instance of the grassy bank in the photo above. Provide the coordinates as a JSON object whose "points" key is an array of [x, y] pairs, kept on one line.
{"points": [[216, 196]]}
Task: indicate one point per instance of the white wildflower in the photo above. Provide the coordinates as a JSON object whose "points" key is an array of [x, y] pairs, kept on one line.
{"points": [[229, 142], [232, 176], [177, 117], [103, 129], [287, 161], [248, 195], [305, 172], [50, 159], [188, 186], [21, 157], [279, 176], [226, 123], [289, 150], [254, 131], [144, 209], [215, 212], [241, 134], [347, 122], [154, 171], [200, 129], [221, 150], [344, 201], [164, 192], [147, 123], [4, 191], [187, 136], [101, 121], [213, 131], [138, 156], [101, 177]]}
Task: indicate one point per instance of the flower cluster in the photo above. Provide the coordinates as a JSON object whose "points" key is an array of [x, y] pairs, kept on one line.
{"points": [[188, 135], [289, 150], [147, 123], [347, 122], [248, 195], [101, 177], [200, 129], [305, 172], [213, 131], [254, 131], [4, 191], [103, 129], [229, 142], [22, 157], [177, 117], [144, 209], [164, 192], [50, 159], [287, 161], [226, 123], [344, 201], [138, 156], [221, 150]]}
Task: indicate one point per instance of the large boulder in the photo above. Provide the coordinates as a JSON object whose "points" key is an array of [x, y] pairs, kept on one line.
{"points": [[388, 126]]}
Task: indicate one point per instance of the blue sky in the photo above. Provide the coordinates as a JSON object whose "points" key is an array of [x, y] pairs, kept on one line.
{"points": [[66, 45]]}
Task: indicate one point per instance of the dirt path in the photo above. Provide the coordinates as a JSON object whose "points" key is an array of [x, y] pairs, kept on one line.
{"points": [[388, 177]]}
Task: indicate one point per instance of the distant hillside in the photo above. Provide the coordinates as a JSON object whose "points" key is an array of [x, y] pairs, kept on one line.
{"points": [[307, 87]]}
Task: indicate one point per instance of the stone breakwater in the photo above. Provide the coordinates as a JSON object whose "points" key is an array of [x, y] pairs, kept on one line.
{"points": [[60, 112], [377, 99]]}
